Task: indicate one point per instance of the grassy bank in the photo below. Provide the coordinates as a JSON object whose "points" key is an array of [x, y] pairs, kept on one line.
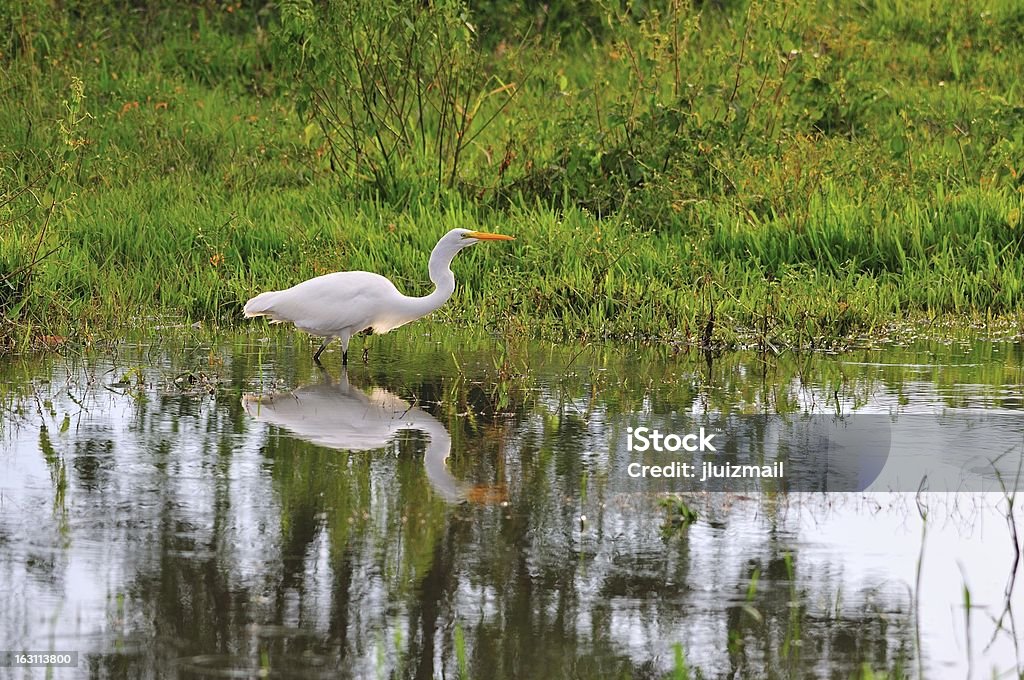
{"points": [[798, 171]]}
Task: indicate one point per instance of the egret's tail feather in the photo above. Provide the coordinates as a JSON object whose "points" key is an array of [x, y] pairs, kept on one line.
{"points": [[261, 305]]}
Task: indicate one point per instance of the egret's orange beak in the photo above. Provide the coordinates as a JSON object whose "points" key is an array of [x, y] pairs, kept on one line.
{"points": [[484, 236]]}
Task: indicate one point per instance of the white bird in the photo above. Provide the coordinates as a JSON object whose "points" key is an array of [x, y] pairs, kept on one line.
{"points": [[341, 304]]}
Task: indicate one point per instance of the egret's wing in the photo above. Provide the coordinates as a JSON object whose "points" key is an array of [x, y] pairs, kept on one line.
{"points": [[327, 304]]}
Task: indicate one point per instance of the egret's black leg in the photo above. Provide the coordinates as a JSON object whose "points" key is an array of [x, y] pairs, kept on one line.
{"points": [[367, 334], [344, 337], [316, 357]]}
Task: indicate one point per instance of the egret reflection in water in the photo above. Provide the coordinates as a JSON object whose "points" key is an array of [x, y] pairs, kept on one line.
{"points": [[338, 415]]}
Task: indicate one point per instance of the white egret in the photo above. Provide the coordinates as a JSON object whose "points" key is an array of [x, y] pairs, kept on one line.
{"points": [[341, 304]]}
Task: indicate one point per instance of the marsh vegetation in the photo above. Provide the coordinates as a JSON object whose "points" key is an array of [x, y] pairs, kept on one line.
{"points": [[799, 172]]}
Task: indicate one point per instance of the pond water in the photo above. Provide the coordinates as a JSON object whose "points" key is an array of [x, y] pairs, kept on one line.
{"points": [[195, 507]]}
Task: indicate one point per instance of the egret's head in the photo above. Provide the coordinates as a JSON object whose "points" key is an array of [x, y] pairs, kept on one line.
{"points": [[457, 240], [466, 237], [449, 246]]}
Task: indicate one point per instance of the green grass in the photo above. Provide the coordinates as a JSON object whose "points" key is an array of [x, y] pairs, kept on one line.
{"points": [[791, 172]]}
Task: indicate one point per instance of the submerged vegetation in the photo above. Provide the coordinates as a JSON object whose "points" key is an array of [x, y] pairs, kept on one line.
{"points": [[692, 171]]}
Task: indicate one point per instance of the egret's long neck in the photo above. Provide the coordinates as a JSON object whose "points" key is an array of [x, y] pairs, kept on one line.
{"points": [[442, 277]]}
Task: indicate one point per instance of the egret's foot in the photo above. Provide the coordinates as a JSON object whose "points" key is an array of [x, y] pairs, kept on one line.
{"points": [[344, 358]]}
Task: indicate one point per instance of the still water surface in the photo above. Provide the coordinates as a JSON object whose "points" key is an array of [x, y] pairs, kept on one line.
{"points": [[191, 508]]}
